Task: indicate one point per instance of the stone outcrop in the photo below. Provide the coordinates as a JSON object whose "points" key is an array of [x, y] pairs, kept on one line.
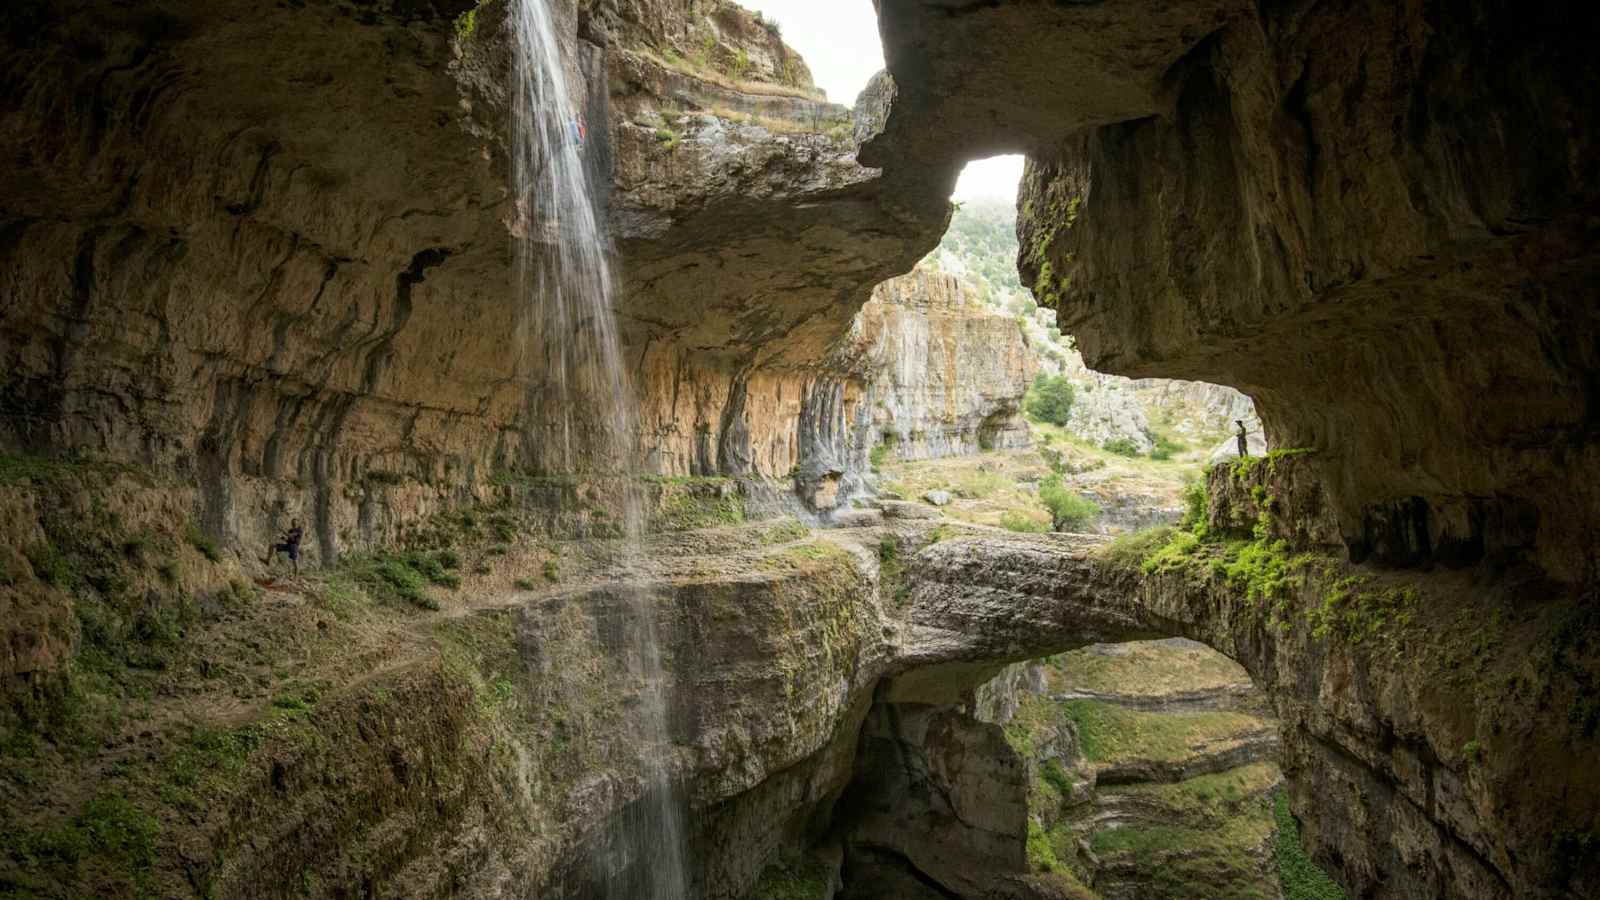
{"points": [[293, 281], [1430, 748], [945, 373], [1150, 767], [1351, 246], [1378, 268]]}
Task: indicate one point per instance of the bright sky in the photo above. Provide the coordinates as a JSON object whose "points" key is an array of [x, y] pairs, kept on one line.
{"points": [[839, 40], [994, 178]]}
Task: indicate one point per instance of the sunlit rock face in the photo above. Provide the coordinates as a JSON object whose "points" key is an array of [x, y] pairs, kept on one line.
{"points": [[946, 372], [272, 249]]}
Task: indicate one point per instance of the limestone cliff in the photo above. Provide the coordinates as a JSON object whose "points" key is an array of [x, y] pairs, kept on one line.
{"points": [[945, 372], [270, 250], [1433, 744]]}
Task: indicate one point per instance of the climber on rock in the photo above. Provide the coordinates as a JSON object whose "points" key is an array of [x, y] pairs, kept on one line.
{"points": [[1244, 442], [290, 546]]}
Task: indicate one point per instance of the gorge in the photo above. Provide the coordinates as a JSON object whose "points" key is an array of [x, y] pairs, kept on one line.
{"points": [[259, 263]]}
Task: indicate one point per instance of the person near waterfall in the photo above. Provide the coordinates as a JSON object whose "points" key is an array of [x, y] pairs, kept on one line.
{"points": [[1244, 442]]}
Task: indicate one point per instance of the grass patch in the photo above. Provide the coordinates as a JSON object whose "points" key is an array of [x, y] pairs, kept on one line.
{"points": [[110, 834], [1298, 876], [1147, 668], [1130, 551], [1108, 733], [1011, 520], [405, 577]]}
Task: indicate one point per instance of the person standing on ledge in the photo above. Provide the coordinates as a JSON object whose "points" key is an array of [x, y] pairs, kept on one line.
{"points": [[290, 546], [1244, 443]]}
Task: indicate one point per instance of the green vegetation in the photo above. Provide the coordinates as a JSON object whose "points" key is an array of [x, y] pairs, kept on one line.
{"points": [[1068, 511], [404, 577], [551, 570], [525, 584], [1121, 446], [667, 138], [466, 24], [1148, 667], [802, 878], [1049, 399], [1131, 550], [202, 542], [879, 454], [1244, 465], [1354, 615], [110, 831], [701, 503], [50, 566], [1164, 448], [1298, 876], [1011, 520], [771, 25], [1108, 733]]}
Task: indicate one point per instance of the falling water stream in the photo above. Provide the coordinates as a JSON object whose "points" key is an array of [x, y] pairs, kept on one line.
{"points": [[588, 404]]}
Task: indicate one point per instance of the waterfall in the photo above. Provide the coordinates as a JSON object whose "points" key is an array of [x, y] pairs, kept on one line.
{"points": [[588, 407]]}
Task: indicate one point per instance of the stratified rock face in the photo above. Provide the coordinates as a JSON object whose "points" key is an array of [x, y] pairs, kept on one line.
{"points": [[1432, 744], [251, 246], [1373, 219], [270, 250], [946, 373], [1150, 769]]}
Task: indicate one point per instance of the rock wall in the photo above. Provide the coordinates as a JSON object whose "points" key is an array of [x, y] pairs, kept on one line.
{"points": [[1363, 247], [1433, 744], [945, 373], [270, 251], [1304, 202]]}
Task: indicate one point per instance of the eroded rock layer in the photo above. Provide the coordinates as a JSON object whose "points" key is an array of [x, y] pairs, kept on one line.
{"points": [[1377, 220], [946, 373], [271, 250], [1372, 219]]}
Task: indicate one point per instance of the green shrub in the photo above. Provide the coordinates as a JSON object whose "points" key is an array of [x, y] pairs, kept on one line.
{"points": [[1165, 448], [203, 543], [552, 570], [1068, 511], [888, 549], [1298, 876], [1121, 446], [1131, 550], [525, 584], [394, 578], [1049, 399], [50, 565], [1176, 553]]}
